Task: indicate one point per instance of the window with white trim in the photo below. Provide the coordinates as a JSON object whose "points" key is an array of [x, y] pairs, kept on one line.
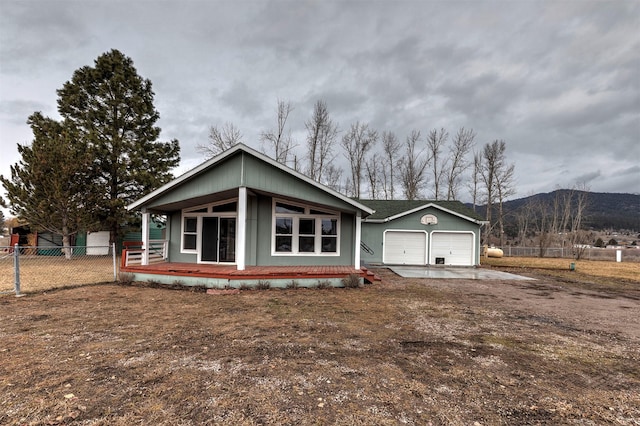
{"points": [[303, 230], [189, 233]]}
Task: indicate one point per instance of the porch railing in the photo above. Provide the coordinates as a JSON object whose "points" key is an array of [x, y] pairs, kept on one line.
{"points": [[133, 253]]}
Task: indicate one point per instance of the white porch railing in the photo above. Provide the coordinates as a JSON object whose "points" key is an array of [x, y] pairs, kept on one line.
{"points": [[158, 253]]}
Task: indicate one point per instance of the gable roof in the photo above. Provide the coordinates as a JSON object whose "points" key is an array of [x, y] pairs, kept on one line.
{"points": [[386, 210], [203, 167]]}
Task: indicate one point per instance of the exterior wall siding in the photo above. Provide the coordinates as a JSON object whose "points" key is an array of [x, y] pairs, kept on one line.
{"points": [[225, 176], [264, 177]]}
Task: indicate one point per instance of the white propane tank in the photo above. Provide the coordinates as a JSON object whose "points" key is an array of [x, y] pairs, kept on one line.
{"points": [[494, 252]]}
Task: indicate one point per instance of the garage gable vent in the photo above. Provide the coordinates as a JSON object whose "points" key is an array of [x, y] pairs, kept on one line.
{"points": [[429, 219]]}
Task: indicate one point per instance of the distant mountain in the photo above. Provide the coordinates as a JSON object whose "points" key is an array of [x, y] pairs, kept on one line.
{"points": [[604, 210]]}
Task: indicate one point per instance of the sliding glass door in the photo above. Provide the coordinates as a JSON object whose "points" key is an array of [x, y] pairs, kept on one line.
{"points": [[218, 240]]}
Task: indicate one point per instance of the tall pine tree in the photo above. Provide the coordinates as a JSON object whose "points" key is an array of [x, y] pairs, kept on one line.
{"points": [[111, 107], [47, 187]]}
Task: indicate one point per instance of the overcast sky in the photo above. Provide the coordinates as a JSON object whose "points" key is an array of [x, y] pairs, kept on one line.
{"points": [[558, 81]]}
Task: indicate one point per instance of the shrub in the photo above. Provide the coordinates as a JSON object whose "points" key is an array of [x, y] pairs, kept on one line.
{"points": [[125, 278], [352, 281], [263, 285], [323, 284], [244, 286], [293, 284]]}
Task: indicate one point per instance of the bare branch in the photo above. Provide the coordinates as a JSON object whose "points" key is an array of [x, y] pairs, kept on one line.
{"points": [[279, 141], [220, 139]]}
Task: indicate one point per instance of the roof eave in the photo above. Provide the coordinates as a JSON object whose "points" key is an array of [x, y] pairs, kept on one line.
{"points": [[425, 206]]}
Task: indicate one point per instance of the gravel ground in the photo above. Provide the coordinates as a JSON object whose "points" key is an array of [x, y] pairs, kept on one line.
{"points": [[401, 351]]}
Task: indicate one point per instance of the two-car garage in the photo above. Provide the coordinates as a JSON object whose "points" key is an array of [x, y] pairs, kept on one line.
{"points": [[409, 247], [418, 232]]}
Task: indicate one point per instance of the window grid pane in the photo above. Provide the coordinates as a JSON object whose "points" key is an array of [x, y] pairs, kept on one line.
{"points": [[307, 227], [307, 244], [284, 226], [189, 242], [190, 224], [329, 244], [283, 244], [329, 226]]}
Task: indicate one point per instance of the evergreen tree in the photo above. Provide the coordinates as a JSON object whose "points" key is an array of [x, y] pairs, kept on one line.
{"points": [[48, 186], [111, 107]]}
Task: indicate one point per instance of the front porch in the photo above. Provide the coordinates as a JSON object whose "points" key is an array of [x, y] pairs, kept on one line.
{"points": [[228, 276]]}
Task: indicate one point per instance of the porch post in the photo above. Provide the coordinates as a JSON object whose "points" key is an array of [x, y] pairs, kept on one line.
{"points": [[358, 238], [145, 238], [241, 231]]}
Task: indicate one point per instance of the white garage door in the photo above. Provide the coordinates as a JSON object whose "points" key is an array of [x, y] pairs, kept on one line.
{"points": [[405, 248], [451, 248]]}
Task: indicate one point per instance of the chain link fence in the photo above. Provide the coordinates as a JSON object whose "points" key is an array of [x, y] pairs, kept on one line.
{"points": [[28, 269], [587, 253]]}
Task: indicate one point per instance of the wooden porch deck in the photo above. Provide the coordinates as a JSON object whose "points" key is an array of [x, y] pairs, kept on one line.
{"points": [[230, 272]]}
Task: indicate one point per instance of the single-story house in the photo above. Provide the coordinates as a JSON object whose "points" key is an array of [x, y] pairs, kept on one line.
{"points": [[242, 218], [419, 232]]}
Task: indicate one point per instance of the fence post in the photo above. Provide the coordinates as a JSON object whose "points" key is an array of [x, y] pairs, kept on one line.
{"points": [[115, 271], [16, 269]]}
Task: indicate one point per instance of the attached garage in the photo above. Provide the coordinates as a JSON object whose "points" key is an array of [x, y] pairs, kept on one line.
{"points": [[405, 247], [415, 232], [452, 248]]}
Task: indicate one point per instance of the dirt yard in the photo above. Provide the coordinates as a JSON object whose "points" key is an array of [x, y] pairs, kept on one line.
{"points": [[558, 350]]}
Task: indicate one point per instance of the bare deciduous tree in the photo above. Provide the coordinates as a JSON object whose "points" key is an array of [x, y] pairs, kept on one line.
{"points": [[461, 145], [413, 167], [332, 177], [476, 177], [575, 202], [220, 139], [356, 143], [504, 189], [373, 168], [321, 137], [436, 141], [543, 225], [523, 221], [495, 172], [279, 141], [390, 164]]}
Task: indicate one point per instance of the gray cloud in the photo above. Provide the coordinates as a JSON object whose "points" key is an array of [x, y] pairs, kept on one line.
{"points": [[558, 81]]}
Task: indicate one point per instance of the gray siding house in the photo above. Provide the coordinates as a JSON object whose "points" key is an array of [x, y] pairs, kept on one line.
{"points": [[244, 209], [243, 216]]}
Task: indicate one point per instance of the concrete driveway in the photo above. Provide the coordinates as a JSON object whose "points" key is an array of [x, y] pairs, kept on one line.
{"points": [[451, 272]]}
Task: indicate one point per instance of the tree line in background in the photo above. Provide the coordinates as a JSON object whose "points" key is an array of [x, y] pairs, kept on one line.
{"points": [[556, 222], [79, 173], [380, 165]]}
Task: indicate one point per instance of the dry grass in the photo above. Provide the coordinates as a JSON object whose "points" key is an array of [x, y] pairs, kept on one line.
{"points": [[40, 273], [414, 352], [610, 270]]}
